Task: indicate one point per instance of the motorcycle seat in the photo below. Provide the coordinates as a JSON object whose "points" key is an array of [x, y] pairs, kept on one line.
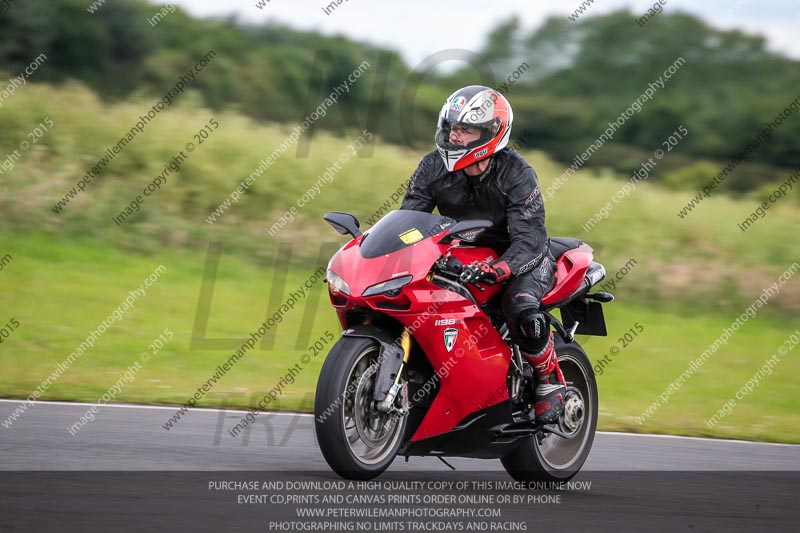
{"points": [[559, 245]]}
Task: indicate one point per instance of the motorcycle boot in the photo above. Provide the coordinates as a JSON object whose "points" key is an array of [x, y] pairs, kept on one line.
{"points": [[550, 387]]}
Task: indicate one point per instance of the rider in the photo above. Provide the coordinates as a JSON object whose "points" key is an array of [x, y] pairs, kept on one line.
{"points": [[474, 176]]}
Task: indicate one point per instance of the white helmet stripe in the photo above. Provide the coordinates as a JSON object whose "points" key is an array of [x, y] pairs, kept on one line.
{"points": [[475, 101], [504, 140], [481, 107]]}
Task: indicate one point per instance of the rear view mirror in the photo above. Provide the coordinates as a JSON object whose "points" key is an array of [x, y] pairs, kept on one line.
{"points": [[344, 223]]}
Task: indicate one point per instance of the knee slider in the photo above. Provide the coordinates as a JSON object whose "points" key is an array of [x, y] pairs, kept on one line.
{"points": [[535, 327]]}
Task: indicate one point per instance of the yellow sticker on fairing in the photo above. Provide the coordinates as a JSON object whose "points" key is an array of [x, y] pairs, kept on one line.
{"points": [[411, 236]]}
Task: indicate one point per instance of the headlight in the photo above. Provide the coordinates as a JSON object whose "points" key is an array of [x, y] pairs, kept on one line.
{"points": [[337, 284], [390, 287]]}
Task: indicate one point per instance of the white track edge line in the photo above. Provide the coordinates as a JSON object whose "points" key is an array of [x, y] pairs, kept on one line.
{"points": [[292, 413]]}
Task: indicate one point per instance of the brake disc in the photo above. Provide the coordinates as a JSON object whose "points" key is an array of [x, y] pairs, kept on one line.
{"points": [[572, 419], [374, 428]]}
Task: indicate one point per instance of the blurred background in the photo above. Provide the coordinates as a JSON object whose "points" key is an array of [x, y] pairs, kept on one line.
{"points": [[111, 95]]}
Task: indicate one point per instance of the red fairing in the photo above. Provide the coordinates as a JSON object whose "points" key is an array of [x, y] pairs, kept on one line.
{"points": [[570, 273], [472, 369], [361, 273], [456, 336]]}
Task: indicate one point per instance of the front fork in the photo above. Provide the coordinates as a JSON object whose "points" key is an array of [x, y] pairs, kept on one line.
{"points": [[387, 404]]}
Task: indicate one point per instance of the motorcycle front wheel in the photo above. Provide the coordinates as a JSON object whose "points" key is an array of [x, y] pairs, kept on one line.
{"points": [[356, 440], [550, 457]]}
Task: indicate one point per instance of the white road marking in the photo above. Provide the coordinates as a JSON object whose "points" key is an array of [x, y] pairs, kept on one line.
{"points": [[291, 413]]}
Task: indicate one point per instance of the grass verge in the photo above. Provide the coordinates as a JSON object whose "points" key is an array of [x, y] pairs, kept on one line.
{"points": [[59, 291]]}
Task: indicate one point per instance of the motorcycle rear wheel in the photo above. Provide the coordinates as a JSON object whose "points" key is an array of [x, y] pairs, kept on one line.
{"points": [[356, 440], [550, 457]]}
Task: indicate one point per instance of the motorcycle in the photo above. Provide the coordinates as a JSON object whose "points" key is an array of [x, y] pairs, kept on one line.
{"points": [[425, 365]]}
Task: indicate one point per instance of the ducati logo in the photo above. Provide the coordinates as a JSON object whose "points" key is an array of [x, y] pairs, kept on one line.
{"points": [[450, 336]]}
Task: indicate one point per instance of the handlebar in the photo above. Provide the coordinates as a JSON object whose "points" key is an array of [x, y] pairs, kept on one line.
{"points": [[449, 267], [452, 268]]}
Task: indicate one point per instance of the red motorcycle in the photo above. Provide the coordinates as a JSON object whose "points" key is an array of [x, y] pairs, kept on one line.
{"points": [[425, 365]]}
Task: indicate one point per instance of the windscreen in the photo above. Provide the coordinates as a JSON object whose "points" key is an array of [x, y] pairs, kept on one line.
{"points": [[399, 229]]}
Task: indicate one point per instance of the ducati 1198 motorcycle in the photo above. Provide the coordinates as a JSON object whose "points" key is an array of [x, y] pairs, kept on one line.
{"points": [[425, 365]]}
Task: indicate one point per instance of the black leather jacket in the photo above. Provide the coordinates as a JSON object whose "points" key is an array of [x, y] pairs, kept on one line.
{"points": [[507, 194]]}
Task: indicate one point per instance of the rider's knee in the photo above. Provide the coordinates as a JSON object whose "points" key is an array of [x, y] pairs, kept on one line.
{"points": [[531, 330], [534, 325]]}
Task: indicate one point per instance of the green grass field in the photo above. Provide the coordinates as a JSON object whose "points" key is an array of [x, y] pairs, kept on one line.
{"points": [[62, 291]]}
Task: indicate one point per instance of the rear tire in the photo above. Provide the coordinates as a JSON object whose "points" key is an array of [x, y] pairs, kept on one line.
{"points": [[356, 441], [557, 458]]}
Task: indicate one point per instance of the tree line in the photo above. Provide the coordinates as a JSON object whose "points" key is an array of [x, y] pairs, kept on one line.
{"points": [[566, 80]]}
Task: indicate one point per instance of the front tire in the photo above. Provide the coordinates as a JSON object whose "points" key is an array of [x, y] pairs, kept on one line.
{"points": [[356, 441], [549, 457]]}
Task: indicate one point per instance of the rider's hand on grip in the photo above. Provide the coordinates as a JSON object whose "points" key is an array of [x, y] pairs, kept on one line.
{"points": [[485, 273], [472, 274]]}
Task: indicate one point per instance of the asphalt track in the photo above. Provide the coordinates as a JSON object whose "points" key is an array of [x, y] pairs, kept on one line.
{"points": [[125, 472]]}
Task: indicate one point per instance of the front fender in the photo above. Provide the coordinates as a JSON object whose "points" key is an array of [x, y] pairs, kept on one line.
{"points": [[391, 356]]}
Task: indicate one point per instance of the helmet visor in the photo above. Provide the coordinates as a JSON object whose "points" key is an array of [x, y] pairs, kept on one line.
{"points": [[444, 139]]}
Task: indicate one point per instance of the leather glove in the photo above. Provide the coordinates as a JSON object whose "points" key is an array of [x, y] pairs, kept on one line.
{"points": [[485, 272]]}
